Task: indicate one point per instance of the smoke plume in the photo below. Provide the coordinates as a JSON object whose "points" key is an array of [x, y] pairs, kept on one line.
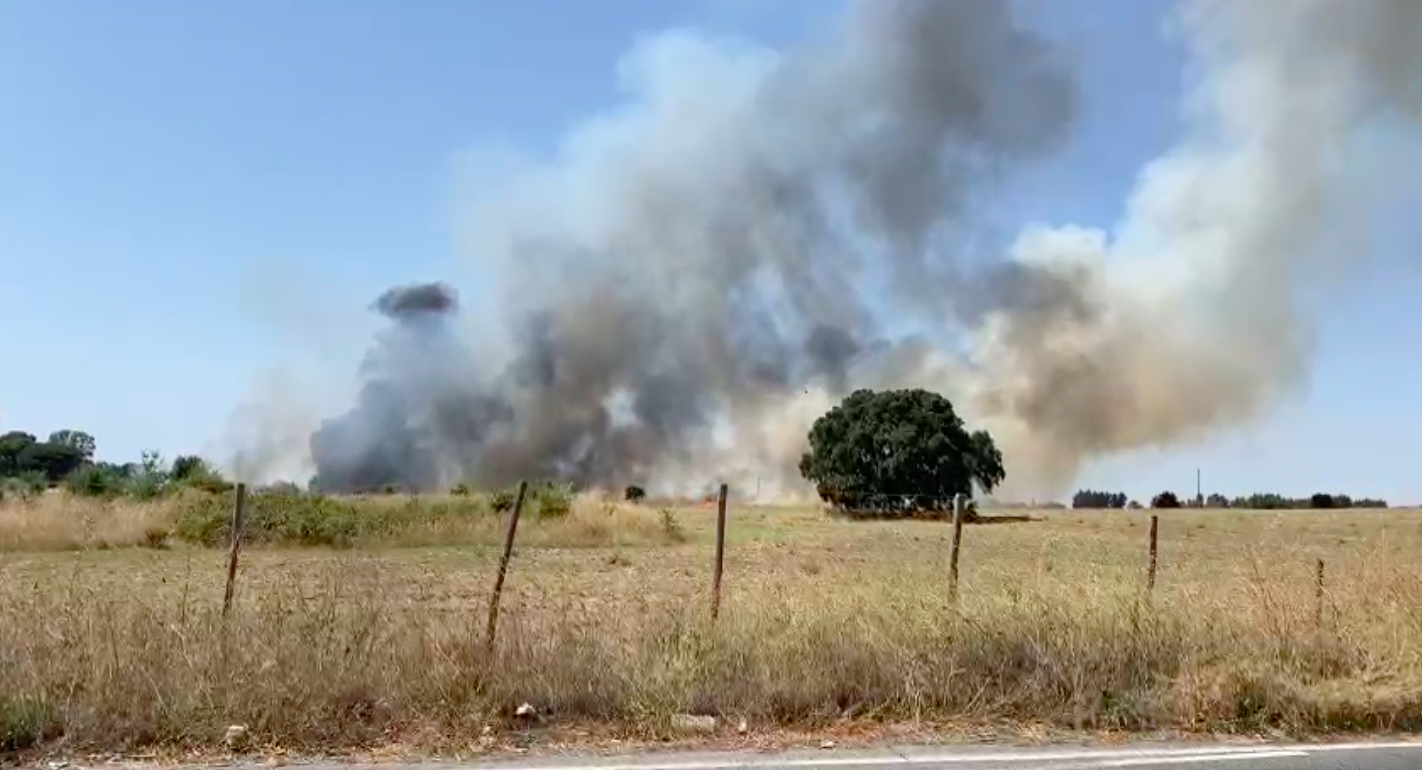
{"points": [[699, 274]]}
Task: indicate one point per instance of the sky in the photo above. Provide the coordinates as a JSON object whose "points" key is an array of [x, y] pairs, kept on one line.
{"points": [[196, 198]]}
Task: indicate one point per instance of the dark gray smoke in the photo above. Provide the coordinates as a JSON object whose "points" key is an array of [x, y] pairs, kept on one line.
{"points": [[412, 408], [700, 273], [736, 236]]}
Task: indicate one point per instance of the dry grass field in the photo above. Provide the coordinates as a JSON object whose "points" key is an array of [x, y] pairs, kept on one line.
{"points": [[106, 643]]}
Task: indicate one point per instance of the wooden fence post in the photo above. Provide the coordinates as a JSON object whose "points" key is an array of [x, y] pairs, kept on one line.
{"points": [[1318, 596], [720, 552], [958, 507], [504, 567], [1154, 536], [239, 519]]}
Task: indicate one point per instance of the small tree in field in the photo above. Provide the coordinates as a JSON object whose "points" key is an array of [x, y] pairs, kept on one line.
{"points": [[1166, 499], [634, 494], [898, 452]]}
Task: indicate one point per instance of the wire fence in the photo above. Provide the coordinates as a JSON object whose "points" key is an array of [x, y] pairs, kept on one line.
{"points": [[959, 508]]}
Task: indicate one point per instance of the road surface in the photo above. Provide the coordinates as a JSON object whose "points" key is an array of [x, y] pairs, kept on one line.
{"points": [[1339, 756]]}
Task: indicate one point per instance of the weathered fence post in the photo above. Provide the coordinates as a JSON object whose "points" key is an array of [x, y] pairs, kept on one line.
{"points": [[504, 567], [239, 519], [1154, 536], [958, 507], [720, 552], [1318, 596]]}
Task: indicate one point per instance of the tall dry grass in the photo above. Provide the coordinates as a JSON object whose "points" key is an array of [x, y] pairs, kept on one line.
{"points": [[57, 521], [351, 649]]}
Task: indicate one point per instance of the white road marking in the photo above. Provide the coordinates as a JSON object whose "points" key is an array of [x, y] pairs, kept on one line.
{"points": [[1178, 760], [1108, 758]]}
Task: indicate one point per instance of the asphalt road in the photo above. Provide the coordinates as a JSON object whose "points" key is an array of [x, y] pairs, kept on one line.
{"points": [[1363, 756]]}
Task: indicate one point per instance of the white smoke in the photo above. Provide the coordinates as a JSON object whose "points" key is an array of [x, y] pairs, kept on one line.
{"points": [[751, 234], [1205, 281]]}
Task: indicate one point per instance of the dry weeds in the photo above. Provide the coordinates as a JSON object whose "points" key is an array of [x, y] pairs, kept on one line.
{"points": [[60, 522], [822, 621]]}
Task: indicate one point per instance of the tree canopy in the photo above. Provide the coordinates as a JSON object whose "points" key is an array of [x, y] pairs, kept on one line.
{"points": [[1166, 499], [77, 440], [28, 466], [898, 451]]}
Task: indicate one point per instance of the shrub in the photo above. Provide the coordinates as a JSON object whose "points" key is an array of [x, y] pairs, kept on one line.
{"points": [[23, 722], [212, 484], [194, 472], [634, 494], [100, 480], [151, 479], [188, 466], [550, 499], [206, 520], [543, 498], [22, 487], [319, 521], [671, 528], [300, 518]]}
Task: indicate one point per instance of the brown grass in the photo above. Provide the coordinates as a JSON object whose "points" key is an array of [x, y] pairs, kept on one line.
{"points": [[822, 619], [60, 522]]}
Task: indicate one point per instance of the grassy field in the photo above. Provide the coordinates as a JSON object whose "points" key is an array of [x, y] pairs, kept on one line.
{"points": [[108, 642]]}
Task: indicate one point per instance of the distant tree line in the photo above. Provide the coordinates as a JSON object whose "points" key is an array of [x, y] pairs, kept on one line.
{"points": [[1259, 501], [1095, 498], [65, 459]]}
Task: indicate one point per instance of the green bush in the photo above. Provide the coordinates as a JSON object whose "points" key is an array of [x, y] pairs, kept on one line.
{"points": [[151, 479], [95, 481], [543, 498], [205, 520], [320, 521], [22, 487], [547, 498], [300, 518], [671, 528], [195, 473], [210, 483], [23, 722]]}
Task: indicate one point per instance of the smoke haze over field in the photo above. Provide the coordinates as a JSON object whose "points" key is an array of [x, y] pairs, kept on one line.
{"points": [[700, 273]]}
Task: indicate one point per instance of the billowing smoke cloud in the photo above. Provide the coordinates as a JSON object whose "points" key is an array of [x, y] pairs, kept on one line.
{"points": [[700, 273], [1203, 285]]}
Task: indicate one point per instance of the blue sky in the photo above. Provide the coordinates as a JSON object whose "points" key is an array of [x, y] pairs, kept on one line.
{"points": [[193, 194]]}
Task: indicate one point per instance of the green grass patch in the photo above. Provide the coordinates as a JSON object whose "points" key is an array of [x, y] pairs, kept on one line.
{"points": [[298, 518]]}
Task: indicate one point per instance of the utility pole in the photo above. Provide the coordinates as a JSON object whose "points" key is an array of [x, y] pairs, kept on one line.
{"points": [[1199, 492]]}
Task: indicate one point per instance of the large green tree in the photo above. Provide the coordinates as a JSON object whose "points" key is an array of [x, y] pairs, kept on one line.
{"points": [[898, 451], [78, 440], [55, 461], [12, 445]]}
